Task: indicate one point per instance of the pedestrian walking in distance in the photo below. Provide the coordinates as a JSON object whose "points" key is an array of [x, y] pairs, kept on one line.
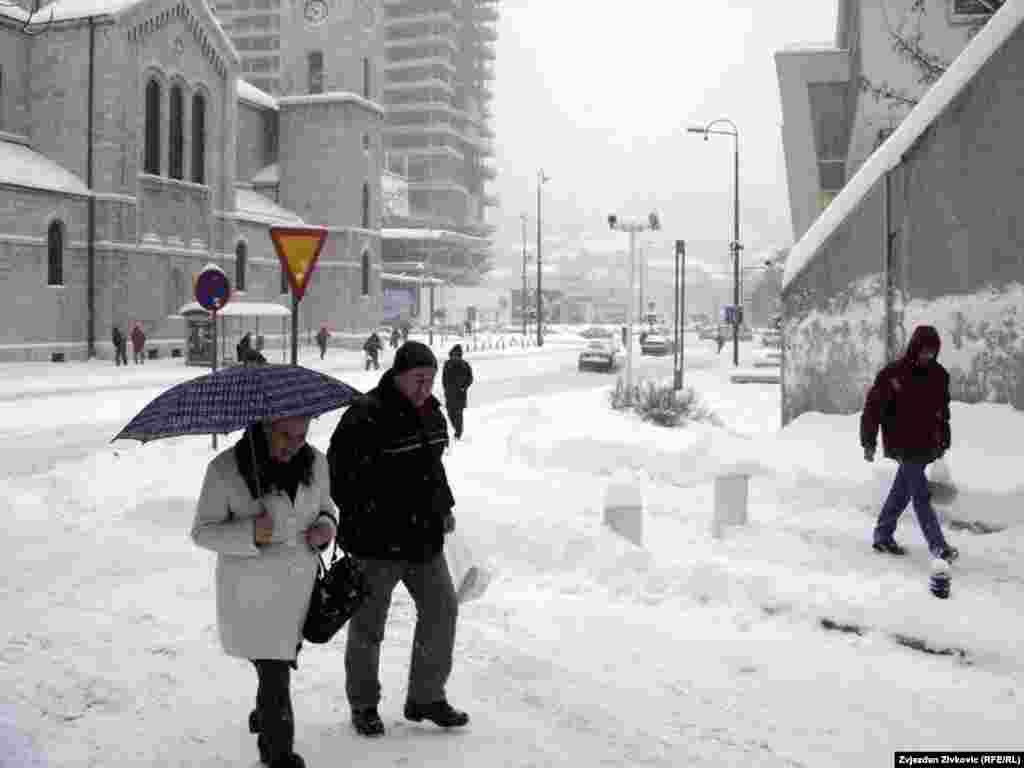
{"points": [[456, 379], [322, 336], [910, 400], [373, 346], [395, 506], [120, 346], [138, 344], [266, 510]]}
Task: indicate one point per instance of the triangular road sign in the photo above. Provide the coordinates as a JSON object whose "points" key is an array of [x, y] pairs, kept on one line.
{"points": [[298, 248]]}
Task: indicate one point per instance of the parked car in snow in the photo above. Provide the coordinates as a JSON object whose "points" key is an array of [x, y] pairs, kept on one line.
{"points": [[655, 344], [596, 332], [600, 354]]}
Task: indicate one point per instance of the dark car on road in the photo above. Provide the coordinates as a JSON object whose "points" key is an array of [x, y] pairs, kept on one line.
{"points": [[655, 344], [601, 355]]}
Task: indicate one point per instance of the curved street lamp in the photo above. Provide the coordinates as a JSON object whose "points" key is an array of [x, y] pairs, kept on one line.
{"points": [[734, 246], [542, 178]]}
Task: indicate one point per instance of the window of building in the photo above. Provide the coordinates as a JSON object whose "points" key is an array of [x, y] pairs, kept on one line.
{"points": [[316, 71], [199, 139], [366, 273], [241, 256], [152, 141], [176, 136], [971, 10], [55, 254], [367, 144], [366, 205], [366, 78]]}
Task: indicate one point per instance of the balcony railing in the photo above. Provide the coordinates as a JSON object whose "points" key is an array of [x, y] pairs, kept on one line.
{"points": [[409, 85]]}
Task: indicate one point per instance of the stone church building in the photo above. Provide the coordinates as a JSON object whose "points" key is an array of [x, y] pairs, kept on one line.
{"points": [[132, 155]]}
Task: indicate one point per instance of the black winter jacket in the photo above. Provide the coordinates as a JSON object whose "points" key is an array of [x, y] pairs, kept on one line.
{"points": [[387, 476], [456, 379]]}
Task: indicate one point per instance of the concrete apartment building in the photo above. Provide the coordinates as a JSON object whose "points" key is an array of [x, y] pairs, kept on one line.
{"points": [[439, 58], [131, 155]]}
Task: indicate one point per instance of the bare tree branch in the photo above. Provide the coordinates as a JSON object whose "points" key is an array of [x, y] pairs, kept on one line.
{"points": [[885, 92], [28, 27]]}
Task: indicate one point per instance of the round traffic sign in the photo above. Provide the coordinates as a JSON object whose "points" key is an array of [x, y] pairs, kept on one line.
{"points": [[213, 290]]}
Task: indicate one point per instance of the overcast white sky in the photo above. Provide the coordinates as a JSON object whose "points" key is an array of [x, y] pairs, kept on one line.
{"points": [[598, 94]]}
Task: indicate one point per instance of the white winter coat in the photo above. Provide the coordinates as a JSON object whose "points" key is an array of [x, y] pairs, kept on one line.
{"points": [[262, 592]]}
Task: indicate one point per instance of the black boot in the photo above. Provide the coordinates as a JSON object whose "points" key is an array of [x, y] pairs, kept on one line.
{"points": [[439, 712], [889, 548], [289, 761], [367, 722]]}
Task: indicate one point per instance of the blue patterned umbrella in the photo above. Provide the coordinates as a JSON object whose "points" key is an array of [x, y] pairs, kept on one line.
{"points": [[233, 398]]}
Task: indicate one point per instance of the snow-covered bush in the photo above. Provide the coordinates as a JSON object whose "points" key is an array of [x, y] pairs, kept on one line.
{"points": [[661, 404]]}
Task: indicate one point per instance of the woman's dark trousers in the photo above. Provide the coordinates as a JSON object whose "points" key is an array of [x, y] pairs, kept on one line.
{"points": [[275, 721]]}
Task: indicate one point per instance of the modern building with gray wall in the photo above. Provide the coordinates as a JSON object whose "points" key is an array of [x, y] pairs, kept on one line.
{"points": [[928, 231]]}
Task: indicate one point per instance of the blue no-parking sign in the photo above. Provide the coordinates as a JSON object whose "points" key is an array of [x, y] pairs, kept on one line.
{"points": [[212, 288]]}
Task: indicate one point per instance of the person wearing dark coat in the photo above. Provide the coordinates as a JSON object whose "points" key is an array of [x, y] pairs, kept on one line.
{"points": [[120, 346], [910, 401], [456, 380], [395, 506], [244, 347], [395, 338], [373, 347], [322, 337]]}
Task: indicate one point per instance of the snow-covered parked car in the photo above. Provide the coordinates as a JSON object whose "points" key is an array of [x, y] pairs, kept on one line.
{"points": [[655, 344], [600, 354]]}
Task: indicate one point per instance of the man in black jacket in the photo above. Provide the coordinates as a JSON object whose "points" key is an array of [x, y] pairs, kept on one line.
{"points": [[456, 380], [389, 483]]}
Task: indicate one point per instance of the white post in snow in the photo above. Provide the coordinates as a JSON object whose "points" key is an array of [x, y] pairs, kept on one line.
{"points": [[730, 502], [624, 511]]}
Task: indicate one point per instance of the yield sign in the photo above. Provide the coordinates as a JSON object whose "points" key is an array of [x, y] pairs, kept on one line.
{"points": [[298, 248]]}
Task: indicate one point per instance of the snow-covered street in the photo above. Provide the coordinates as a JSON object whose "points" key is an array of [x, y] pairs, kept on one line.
{"points": [[585, 650]]}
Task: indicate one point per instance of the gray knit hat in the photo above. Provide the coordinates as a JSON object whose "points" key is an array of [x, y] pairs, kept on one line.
{"points": [[413, 354]]}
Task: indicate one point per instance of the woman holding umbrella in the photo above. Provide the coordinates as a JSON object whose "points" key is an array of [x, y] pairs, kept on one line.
{"points": [[266, 510]]}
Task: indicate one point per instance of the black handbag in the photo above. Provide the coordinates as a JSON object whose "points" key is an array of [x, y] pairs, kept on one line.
{"points": [[339, 591]]}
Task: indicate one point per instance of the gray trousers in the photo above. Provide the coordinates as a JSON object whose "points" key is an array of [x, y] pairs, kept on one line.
{"points": [[430, 585]]}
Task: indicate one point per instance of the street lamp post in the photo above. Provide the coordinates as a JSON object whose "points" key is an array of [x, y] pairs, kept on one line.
{"points": [[680, 312], [523, 217], [541, 180], [632, 226], [735, 247]]}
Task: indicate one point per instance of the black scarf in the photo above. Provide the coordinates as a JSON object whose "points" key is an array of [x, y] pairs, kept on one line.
{"points": [[271, 474]]}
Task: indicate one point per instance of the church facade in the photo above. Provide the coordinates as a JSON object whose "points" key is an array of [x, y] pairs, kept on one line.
{"points": [[132, 155]]}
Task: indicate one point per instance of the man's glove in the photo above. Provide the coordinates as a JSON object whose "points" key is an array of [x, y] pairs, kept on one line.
{"points": [[869, 453], [449, 523]]}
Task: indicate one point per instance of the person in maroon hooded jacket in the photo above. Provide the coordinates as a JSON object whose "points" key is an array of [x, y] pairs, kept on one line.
{"points": [[910, 400]]}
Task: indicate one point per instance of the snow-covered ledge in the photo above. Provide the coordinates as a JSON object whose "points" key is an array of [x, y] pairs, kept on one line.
{"points": [[14, 138], [333, 97]]}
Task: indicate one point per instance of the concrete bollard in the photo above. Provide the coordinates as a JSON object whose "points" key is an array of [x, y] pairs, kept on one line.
{"points": [[731, 493], [624, 511]]}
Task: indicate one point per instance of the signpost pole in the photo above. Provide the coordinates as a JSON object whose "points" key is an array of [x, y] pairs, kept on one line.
{"points": [[214, 350], [295, 329]]}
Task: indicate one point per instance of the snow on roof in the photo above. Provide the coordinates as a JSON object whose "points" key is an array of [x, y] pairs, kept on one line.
{"points": [[989, 40], [250, 93], [810, 48], [78, 9], [252, 206], [269, 175], [333, 97], [425, 234], [13, 12], [23, 166], [242, 309]]}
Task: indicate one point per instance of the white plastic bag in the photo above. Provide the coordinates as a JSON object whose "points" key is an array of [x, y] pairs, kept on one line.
{"points": [[940, 482], [469, 576]]}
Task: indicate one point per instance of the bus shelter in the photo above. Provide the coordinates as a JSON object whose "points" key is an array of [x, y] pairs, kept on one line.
{"points": [[234, 321]]}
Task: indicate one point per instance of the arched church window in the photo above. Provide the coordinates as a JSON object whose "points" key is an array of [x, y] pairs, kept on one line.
{"points": [[199, 139], [241, 256], [151, 161], [55, 254]]}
